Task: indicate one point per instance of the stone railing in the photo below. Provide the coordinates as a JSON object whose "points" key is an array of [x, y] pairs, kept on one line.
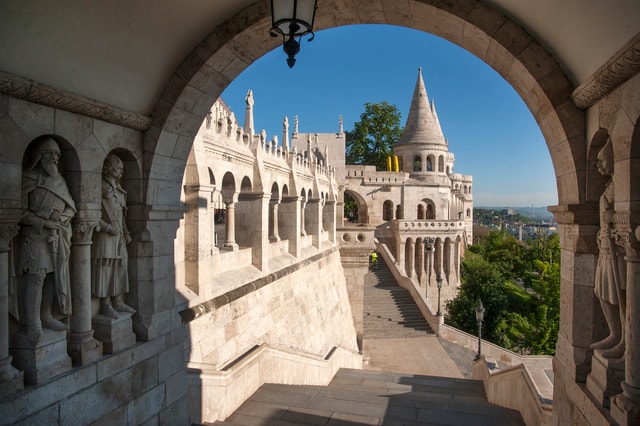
{"points": [[220, 390], [515, 388], [428, 225]]}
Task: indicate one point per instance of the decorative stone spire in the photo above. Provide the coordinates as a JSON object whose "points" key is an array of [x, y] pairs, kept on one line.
{"points": [[248, 117], [435, 118], [295, 126], [341, 127], [285, 134], [422, 125]]}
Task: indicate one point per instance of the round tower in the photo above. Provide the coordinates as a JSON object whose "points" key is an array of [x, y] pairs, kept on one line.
{"points": [[422, 149]]}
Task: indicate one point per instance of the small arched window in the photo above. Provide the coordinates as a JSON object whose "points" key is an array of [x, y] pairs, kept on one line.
{"points": [[429, 164], [430, 212], [417, 164], [387, 210]]}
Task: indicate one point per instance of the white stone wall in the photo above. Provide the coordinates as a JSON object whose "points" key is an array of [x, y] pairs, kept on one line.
{"points": [[307, 309]]}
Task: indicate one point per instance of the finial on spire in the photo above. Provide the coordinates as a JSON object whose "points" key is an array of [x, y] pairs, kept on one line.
{"points": [[285, 133], [248, 118]]}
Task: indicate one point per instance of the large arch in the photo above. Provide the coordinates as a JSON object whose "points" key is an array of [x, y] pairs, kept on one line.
{"points": [[485, 32], [476, 27]]}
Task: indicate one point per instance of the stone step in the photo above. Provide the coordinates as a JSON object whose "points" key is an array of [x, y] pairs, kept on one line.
{"points": [[389, 310], [358, 397]]}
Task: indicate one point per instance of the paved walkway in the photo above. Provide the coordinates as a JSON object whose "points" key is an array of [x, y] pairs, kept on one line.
{"points": [[397, 338]]}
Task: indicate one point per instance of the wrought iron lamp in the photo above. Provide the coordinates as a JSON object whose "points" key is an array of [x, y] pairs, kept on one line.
{"points": [[479, 319], [291, 19]]}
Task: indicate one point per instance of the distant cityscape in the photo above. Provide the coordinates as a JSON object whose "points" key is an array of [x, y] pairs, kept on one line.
{"points": [[538, 213], [521, 222]]}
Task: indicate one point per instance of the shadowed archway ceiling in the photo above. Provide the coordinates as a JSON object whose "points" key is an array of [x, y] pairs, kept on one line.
{"points": [[123, 52]]}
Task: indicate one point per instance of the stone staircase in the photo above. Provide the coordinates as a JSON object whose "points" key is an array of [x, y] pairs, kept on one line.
{"points": [[389, 310], [366, 397], [359, 397]]}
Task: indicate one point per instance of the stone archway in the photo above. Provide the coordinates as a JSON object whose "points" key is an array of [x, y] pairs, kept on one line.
{"points": [[479, 29], [476, 27]]}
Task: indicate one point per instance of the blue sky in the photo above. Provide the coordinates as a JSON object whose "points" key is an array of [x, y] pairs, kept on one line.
{"points": [[490, 130]]}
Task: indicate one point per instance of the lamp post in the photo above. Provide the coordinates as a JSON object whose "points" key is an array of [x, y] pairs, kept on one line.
{"points": [[479, 319], [428, 246], [292, 18], [439, 283]]}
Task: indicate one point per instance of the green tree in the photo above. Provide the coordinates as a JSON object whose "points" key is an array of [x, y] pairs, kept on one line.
{"points": [[373, 137], [523, 318]]}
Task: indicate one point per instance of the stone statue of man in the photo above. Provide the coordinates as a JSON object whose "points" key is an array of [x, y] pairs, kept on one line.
{"points": [[42, 264], [109, 249], [610, 270]]}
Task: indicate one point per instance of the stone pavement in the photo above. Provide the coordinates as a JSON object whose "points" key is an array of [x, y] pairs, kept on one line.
{"points": [[359, 397]]}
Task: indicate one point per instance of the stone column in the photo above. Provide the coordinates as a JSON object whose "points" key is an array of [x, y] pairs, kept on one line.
{"points": [[400, 242], [230, 230], [314, 212], [329, 220], [451, 261], [409, 268], [290, 211], [252, 211], [578, 226], [625, 407], [303, 228], [273, 226], [82, 347], [11, 379], [440, 266], [420, 266]]}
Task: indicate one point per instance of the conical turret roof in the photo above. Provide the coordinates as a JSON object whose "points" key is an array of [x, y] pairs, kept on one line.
{"points": [[422, 125]]}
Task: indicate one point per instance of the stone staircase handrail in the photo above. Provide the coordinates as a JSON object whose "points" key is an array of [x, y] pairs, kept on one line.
{"points": [[515, 388], [219, 389]]}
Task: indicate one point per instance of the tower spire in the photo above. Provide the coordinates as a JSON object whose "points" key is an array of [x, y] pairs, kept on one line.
{"points": [[422, 126]]}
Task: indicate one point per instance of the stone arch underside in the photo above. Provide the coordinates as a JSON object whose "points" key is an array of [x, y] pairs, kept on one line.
{"points": [[476, 27]]}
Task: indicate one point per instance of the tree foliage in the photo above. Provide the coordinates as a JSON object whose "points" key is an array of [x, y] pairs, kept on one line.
{"points": [[519, 285], [373, 137]]}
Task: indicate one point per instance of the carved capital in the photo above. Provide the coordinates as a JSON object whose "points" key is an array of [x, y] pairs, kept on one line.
{"points": [[9, 219], [629, 242], [83, 231]]}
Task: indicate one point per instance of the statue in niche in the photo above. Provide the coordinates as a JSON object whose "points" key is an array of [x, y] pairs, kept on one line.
{"points": [[109, 250], [611, 269], [44, 243]]}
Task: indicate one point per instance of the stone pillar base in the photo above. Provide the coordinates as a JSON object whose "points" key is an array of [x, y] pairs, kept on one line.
{"points": [[83, 348], [46, 359], [115, 334], [11, 379], [230, 247], [625, 408], [604, 380]]}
